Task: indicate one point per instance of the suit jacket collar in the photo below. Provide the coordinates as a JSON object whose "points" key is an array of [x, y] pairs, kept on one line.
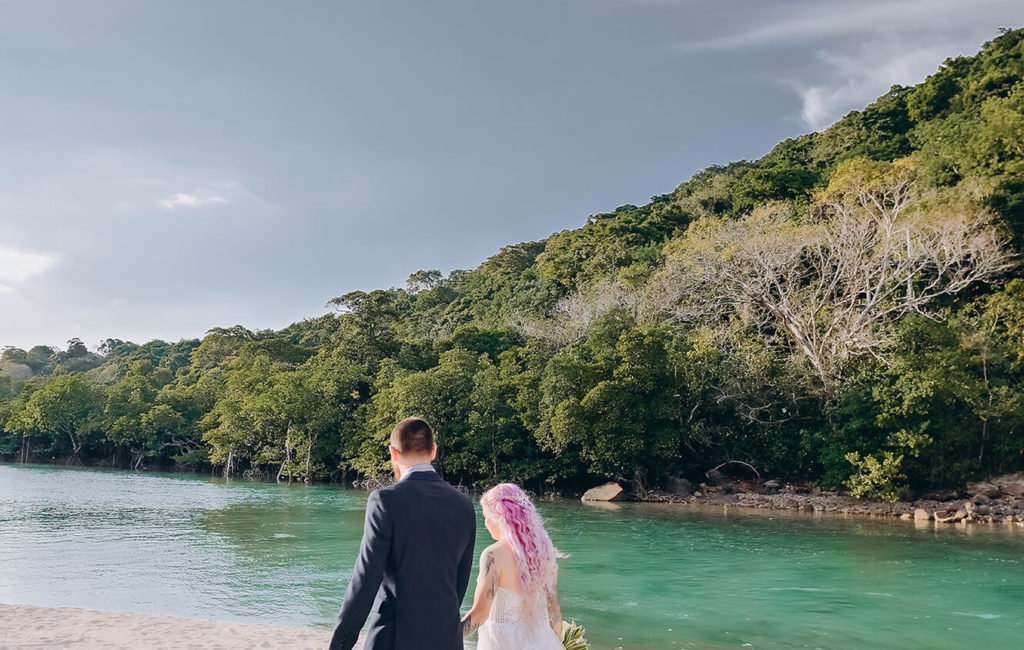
{"points": [[423, 476]]}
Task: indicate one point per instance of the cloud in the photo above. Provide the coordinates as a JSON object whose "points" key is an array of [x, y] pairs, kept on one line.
{"points": [[18, 266], [863, 50], [60, 191], [819, 21], [853, 80], [196, 199]]}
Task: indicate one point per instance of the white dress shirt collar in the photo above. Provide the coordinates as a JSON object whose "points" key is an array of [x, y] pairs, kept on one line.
{"points": [[422, 467]]}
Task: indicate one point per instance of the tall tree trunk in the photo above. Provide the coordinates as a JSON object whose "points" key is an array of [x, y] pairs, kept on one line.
{"points": [[309, 456], [988, 409], [76, 448], [288, 451], [494, 452], [231, 458]]}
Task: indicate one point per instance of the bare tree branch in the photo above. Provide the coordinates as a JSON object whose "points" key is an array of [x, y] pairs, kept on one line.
{"points": [[868, 255]]}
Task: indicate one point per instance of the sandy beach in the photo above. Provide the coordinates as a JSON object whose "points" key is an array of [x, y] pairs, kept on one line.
{"points": [[25, 626]]}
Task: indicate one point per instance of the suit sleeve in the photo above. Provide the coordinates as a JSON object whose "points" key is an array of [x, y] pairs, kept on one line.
{"points": [[366, 576], [466, 563]]}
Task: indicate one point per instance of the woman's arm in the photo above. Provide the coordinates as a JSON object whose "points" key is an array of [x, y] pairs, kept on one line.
{"points": [[486, 587], [554, 611]]}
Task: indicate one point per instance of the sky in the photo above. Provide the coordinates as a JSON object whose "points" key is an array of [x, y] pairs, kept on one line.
{"points": [[170, 167]]}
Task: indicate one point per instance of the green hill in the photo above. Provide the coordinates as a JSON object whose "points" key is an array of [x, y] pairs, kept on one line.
{"points": [[846, 309]]}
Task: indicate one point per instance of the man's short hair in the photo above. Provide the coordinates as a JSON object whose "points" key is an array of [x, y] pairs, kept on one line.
{"points": [[412, 436]]}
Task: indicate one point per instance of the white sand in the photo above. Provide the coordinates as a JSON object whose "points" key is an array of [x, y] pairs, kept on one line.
{"points": [[25, 626]]}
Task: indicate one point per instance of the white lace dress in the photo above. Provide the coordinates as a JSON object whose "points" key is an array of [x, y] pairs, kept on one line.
{"points": [[508, 628]]}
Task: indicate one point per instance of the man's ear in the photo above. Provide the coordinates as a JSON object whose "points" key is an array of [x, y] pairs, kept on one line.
{"points": [[394, 453], [433, 452]]}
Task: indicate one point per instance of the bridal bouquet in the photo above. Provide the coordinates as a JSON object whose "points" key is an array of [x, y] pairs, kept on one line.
{"points": [[572, 636]]}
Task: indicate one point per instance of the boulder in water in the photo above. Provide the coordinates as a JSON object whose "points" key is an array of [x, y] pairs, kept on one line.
{"points": [[922, 515], [610, 491]]}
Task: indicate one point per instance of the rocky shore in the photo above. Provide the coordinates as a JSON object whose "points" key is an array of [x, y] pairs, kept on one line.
{"points": [[999, 500]]}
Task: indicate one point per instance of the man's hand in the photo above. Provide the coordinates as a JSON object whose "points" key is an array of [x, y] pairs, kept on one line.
{"points": [[468, 627]]}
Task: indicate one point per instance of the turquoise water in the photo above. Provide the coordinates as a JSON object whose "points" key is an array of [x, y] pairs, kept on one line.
{"points": [[639, 576]]}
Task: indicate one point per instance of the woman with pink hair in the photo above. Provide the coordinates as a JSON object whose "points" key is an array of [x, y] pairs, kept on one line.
{"points": [[515, 605]]}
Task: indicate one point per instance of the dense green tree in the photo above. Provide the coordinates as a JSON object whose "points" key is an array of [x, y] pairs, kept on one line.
{"points": [[128, 419], [63, 414], [441, 395], [40, 358], [368, 325], [11, 354]]}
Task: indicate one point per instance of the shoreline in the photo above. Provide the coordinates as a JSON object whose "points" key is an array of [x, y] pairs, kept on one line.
{"points": [[75, 628], [998, 509], [1004, 511]]}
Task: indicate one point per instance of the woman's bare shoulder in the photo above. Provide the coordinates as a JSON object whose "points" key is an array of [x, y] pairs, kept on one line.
{"points": [[499, 551]]}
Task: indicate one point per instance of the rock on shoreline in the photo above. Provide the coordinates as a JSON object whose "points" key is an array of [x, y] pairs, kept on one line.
{"points": [[610, 491], [997, 501]]}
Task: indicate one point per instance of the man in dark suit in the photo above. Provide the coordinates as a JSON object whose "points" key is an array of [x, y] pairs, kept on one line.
{"points": [[415, 558]]}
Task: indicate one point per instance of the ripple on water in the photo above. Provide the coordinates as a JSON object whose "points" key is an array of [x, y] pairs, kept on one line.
{"points": [[812, 589], [987, 617]]}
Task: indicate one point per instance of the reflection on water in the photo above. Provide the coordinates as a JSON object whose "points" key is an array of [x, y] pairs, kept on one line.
{"points": [[639, 576]]}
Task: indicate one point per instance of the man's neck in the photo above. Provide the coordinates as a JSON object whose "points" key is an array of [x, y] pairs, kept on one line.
{"points": [[413, 467]]}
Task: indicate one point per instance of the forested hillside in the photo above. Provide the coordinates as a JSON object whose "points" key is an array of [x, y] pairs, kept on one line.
{"points": [[847, 309]]}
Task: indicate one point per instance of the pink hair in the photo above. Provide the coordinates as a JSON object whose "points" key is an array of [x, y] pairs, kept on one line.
{"points": [[522, 529]]}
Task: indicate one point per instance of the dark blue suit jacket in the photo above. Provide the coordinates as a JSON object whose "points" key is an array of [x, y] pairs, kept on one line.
{"points": [[413, 568]]}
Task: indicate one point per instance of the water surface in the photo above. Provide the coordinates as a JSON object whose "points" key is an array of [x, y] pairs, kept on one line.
{"points": [[639, 576]]}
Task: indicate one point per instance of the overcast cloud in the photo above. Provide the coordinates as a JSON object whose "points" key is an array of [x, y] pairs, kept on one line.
{"points": [[169, 167]]}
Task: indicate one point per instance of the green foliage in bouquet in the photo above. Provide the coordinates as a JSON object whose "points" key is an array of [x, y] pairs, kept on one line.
{"points": [[572, 636]]}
